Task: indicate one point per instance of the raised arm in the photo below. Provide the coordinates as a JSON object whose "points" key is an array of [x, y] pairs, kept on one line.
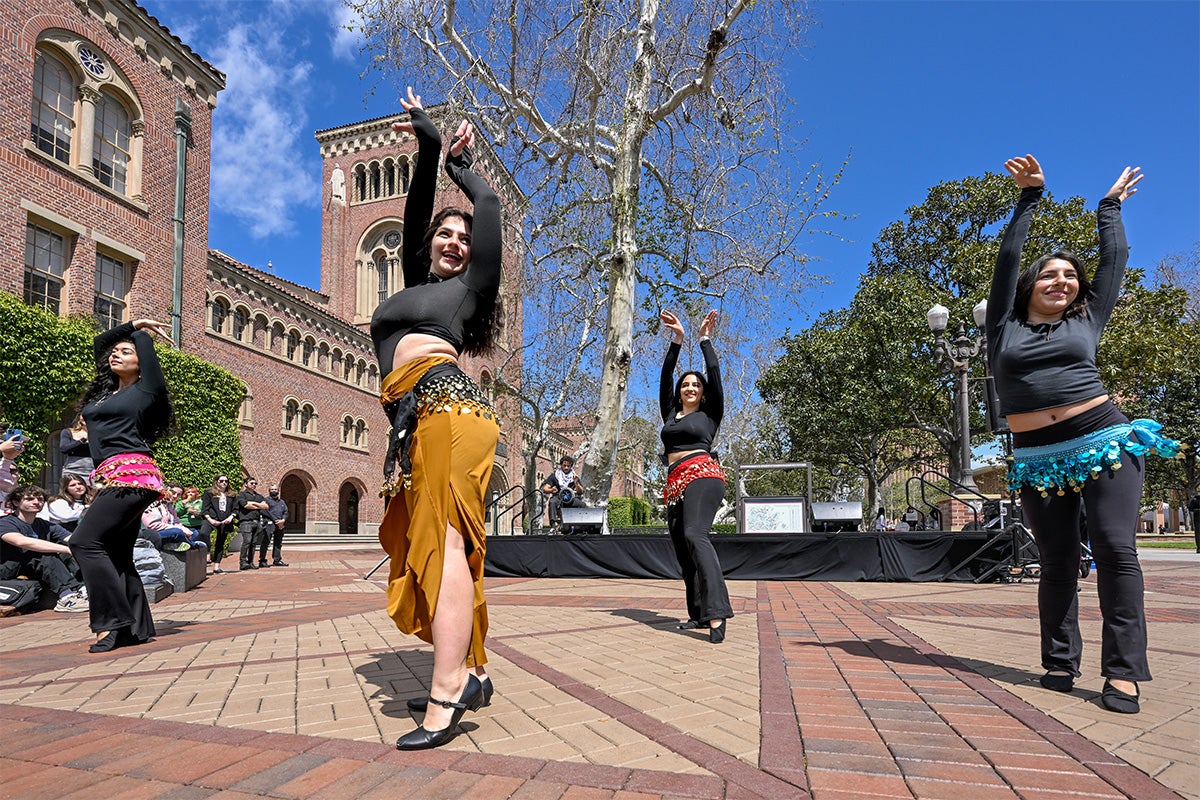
{"points": [[714, 395], [1027, 174], [666, 380], [487, 249], [418, 206], [1114, 249], [105, 341]]}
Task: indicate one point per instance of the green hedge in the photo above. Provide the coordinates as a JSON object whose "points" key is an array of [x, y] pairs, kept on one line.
{"points": [[47, 362], [624, 512]]}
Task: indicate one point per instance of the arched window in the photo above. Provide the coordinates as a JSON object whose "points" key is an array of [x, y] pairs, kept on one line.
{"points": [[220, 313], [53, 115], [347, 429], [293, 344], [291, 415], [241, 320], [360, 372], [110, 152], [348, 368], [307, 420], [246, 412], [374, 187], [405, 167], [360, 183], [307, 350], [389, 178], [360, 434]]}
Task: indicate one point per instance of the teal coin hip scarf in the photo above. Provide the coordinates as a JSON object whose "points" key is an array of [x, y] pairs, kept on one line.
{"points": [[1069, 464]]}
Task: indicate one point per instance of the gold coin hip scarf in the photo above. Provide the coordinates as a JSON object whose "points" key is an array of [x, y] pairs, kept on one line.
{"points": [[443, 389]]}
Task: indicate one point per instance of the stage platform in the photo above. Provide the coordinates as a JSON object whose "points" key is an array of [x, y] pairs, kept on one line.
{"points": [[852, 556]]}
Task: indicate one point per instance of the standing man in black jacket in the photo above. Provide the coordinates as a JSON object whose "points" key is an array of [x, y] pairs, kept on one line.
{"points": [[276, 515], [250, 507]]}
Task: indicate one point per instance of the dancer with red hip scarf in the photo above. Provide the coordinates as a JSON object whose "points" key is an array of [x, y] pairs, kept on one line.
{"points": [[691, 412]]}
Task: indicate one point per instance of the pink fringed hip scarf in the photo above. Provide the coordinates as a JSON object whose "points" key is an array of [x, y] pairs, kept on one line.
{"points": [[128, 470]]}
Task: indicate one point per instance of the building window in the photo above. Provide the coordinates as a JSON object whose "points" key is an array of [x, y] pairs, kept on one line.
{"points": [[293, 344], [360, 434], [241, 319], [360, 373], [112, 286], [347, 430], [220, 313], [348, 368], [53, 116], [45, 266], [291, 415], [110, 158], [308, 421], [307, 349]]}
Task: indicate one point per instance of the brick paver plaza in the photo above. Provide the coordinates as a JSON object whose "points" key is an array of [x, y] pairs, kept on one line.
{"points": [[290, 683]]}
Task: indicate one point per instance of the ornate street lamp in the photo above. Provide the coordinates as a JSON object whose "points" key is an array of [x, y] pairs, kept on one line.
{"points": [[954, 358]]}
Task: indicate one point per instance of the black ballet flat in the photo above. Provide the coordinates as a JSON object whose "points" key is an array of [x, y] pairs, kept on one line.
{"points": [[1114, 699], [691, 624], [1057, 683], [716, 634], [423, 739], [109, 641], [421, 704]]}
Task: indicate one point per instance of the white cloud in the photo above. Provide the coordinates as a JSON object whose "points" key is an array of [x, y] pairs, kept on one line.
{"points": [[347, 38], [260, 131]]}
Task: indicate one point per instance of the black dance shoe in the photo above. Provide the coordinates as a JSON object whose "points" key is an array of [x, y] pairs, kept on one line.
{"points": [[1114, 699], [716, 633], [691, 624], [421, 704], [423, 739], [1057, 683], [107, 642]]}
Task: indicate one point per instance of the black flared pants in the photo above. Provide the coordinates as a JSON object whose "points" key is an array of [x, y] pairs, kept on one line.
{"points": [[689, 522]]}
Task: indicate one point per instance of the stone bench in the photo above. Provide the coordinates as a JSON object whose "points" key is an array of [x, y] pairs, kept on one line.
{"points": [[185, 569]]}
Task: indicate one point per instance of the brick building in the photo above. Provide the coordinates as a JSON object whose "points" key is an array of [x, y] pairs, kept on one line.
{"points": [[105, 110]]}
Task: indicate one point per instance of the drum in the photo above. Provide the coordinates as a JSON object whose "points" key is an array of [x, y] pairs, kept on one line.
{"points": [[566, 495]]}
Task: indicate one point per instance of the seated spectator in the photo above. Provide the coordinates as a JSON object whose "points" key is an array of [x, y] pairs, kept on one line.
{"points": [[66, 507], [189, 508], [36, 549], [11, 445], [161, 519], [77, 456]]}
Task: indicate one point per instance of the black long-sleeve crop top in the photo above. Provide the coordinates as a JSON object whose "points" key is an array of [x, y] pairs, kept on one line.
{"points": [[428, 304], [124, 422], [697, 430], [1040, 366]]}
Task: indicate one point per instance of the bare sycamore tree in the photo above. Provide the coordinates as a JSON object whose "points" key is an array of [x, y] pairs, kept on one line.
{"points": [[554, 380], [647, 138]]}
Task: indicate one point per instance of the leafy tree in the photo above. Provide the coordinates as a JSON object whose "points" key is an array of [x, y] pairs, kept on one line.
{"points": [[647, 138]]}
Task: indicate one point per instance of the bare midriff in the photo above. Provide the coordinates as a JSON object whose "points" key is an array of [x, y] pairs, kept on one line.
{"points": [[1035, 420], [421, 345]]}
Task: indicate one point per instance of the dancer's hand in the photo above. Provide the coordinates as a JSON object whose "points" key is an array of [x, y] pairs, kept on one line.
{"points": [[1025, 171], [464, 137], [1126, 185], [154, 327], [413, 101], [672, 323], [706, 327]]}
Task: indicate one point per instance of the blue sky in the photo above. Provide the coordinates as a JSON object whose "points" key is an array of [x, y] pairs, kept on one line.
{"points": [[917, 92]]}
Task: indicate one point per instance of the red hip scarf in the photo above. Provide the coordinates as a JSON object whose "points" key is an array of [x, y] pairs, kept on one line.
{"points": [[686, 470]]}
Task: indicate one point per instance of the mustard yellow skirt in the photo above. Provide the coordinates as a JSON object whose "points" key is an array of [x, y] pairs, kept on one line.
{"points": [[452, 454]]}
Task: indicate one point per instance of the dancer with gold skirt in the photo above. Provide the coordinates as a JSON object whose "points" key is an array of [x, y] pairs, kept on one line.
{"points": [[444, 430]]}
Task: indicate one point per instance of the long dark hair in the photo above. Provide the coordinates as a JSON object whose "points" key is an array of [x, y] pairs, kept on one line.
{"points": [[703, 394], [106, 383], [1029, 276], [482, 330]]}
